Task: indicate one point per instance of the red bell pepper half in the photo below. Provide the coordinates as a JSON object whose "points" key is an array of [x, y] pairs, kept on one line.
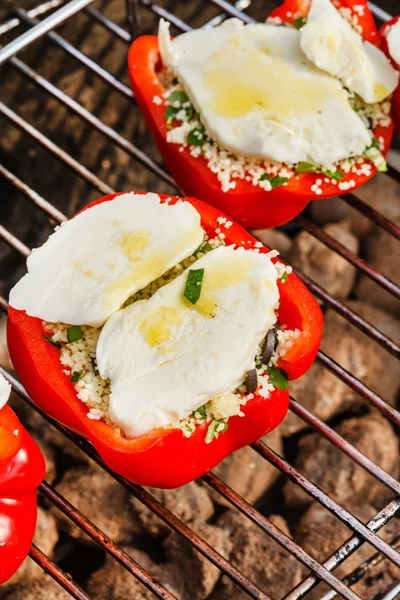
{"points": [[383, 32], [165, 457], [249, 205], [22, 469]]}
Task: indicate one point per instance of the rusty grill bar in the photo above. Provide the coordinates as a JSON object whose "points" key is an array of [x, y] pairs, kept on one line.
{"points": [[361, 533]]}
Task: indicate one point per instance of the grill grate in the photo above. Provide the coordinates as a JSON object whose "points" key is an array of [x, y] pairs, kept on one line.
{"points": [[137, 11]]}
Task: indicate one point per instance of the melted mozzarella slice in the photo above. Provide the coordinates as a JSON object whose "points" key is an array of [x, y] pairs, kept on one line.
{"points": [[329, 41], [5, 391], [166, 357], [393, 41], [94, 262], [258, 95]]}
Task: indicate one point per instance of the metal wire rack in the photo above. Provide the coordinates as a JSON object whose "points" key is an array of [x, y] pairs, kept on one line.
{"points": [[25, 30]]}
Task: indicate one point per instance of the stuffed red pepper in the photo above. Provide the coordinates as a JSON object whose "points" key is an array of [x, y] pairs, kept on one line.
{"points": [[390, 36], [22, 469], [161, 331], [258, 120]]}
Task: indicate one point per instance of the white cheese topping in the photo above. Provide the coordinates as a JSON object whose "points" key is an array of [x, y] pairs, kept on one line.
{"points": [[168, 54], [166, 357], [331, 44], [259, 96], [93, 263], [393, 40], [5, 391]]}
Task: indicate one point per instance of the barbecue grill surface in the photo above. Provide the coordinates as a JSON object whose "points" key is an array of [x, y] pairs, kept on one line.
{"points": [[71, 132]]}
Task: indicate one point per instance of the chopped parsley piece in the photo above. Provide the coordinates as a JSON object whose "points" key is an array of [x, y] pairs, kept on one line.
{"points": [[299, 23], [305, 167], [74, 333], [257, 361], [76, 376], [274, 181], [201, 412], [284, 277], [178, 96], [338, 175], [222, 427], [189, 428], [197, 136], [193, 285], [49, 339], [198, 249], [374, 154], [170, 114], [214, 428], [204, 247], [278, 378]]}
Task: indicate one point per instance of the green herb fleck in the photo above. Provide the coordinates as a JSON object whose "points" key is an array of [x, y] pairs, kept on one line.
{"points": [[214, 428], [201, 413], [198, 249], [76, 376], [197, 136], [49, 339], [170, 114], [274, 181], [177, 100], [204, 247], [375, 155], [74, 333], [193, 285], [299, 23], [190, 112], [277, 181], [305, 167], [278, 378], [189, 428], [337, 175], [284, 277], [178, 96]]}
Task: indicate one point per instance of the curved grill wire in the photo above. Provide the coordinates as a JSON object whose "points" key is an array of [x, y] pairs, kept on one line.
{"points": [[361, 533]]}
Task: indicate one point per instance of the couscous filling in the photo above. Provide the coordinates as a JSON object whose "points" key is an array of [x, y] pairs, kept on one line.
{"points": [[78, 345], [187, 130]]}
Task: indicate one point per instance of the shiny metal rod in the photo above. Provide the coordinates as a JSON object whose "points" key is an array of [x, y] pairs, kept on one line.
{"points": [[35, 12], [52, 21], [378, 12]]}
